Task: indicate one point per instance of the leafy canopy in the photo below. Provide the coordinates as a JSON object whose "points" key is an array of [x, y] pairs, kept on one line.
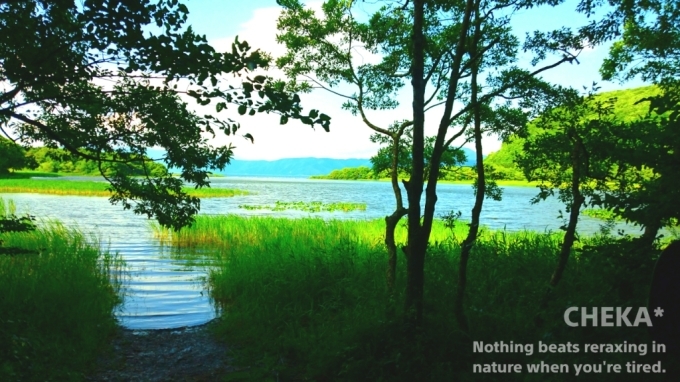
{"points": [[106, 79]]}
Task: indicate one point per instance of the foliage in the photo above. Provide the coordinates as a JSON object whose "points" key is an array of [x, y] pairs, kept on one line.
{"points": [[349, 173], [439, 48], [382, 161], [649, 47], [13, 156], [646, 152], [56, 57], [625, 108], [60, 160], [568, 140]]}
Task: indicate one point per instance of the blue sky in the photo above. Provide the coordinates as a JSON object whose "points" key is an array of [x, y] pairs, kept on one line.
{"points": [[255, 22]]}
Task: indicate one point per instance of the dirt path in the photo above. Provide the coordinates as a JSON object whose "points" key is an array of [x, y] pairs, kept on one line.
{"points": [[183, 354]]}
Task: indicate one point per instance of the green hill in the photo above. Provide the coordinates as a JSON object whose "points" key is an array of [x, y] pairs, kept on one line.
{"points": [[626, 109]]}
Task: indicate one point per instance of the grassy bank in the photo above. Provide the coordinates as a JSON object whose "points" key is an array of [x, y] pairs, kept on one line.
{"points": [[56, 304], [306, 299], [90, 188]]}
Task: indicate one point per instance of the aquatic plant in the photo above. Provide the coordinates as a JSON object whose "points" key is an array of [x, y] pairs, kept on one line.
{"points": [[308, 206]]}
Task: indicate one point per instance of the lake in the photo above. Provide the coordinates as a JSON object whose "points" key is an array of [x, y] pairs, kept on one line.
{"points": [[164, 291]]}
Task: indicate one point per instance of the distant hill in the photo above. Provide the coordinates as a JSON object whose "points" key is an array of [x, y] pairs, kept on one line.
{"points": [[470, 155], [295, 167], [626, 109]]}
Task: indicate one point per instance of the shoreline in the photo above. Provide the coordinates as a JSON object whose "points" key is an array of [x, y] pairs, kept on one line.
{"points": [[501, 183], [56, 186]]}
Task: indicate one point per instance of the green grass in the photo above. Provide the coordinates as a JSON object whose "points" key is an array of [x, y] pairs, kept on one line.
{"points": [[602, 214], [306, 299], [308, 207], [56, 304], [91, 188]]}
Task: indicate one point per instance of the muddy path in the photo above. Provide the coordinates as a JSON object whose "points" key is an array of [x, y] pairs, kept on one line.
{"points": [[183, 354]]}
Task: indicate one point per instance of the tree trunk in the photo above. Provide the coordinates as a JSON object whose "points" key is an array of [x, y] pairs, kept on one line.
{"points": [[391, 221], [577, 202], [469, 241], [419, 233], [415, 249], [649, 235]]}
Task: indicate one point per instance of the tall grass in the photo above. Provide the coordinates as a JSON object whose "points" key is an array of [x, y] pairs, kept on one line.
{"points": [[233, 231], [92, 188], [306, 299], [56, 303]]}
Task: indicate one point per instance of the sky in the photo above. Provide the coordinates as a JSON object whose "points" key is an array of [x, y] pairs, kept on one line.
{"points": [[255, 22]]}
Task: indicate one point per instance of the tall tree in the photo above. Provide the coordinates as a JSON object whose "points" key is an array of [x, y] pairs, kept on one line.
{"points": [[647, 46], [12, 156], [569, 152], [432, 45], [103, 79], [482, 47]]}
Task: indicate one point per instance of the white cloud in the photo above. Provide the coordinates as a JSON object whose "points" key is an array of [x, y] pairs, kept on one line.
{"points": [[348, 137]]}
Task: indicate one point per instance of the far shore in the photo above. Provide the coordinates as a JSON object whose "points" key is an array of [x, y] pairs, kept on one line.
{"points": [[507, 183], [25, 182]]}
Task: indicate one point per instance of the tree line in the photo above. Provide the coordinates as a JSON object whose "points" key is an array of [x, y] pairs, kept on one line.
{"points": [[56, 160]]}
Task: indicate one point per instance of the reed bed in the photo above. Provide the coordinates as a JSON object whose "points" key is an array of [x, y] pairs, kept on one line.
{"points": [[306, 299], [93, 188], [236, 231], [56, 303]]}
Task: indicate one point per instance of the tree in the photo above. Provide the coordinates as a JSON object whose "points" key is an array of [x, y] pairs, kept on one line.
{"points": [[451, 52], [103, 80], [569, 152], [12, 156], [649, 47], [382, 161]]}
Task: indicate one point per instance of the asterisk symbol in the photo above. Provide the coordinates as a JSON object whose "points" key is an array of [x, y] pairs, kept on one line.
{"points": [[658, 312]]}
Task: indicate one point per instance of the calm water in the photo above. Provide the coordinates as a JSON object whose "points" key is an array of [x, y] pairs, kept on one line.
{"points": [[163, 291]]}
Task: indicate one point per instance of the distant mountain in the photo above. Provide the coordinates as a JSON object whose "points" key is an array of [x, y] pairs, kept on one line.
{"points": [[471, 157], [295, 167], [290, 167]]}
